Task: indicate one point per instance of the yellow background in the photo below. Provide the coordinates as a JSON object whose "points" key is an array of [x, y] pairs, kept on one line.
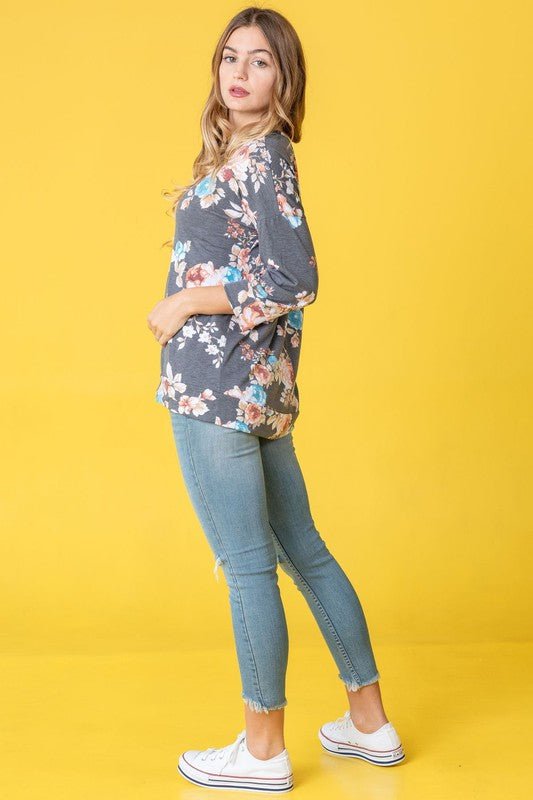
{"points": [[415, 432]]}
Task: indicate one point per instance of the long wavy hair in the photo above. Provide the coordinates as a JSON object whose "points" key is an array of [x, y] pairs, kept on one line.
{"points": [[287, 105]]}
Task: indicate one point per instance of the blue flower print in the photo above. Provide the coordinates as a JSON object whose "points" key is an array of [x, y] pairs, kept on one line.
{"points": [[239, 426], [180, 248], [204, 187], [231, 274], [255, 394], [294, 220], [296, 319]]}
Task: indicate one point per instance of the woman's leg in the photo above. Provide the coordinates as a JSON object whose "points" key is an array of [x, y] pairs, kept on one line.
{"points": [[331, 597], [223, 473]]}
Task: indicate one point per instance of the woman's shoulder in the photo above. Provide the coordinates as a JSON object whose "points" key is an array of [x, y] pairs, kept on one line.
{"points": [[262, 155], [273, 145], [278, 142]]}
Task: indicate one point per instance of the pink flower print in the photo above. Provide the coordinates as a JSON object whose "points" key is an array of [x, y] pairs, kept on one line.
{"points": [[202, 275], [252, 315], [225, 174], [261, 374], [282, 423], [254, 414], [239, 257], [286, 371], [235, 392], [195, 405]]}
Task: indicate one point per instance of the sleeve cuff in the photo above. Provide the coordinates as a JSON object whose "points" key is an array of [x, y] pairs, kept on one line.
{"points": [[248, 310]]}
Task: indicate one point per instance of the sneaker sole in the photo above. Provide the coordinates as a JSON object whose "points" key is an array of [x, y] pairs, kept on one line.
{"points": [[241, 783], [383, 758]]}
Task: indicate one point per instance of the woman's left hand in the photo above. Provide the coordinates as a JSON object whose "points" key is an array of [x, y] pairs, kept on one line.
{"points": [[169, 315]]}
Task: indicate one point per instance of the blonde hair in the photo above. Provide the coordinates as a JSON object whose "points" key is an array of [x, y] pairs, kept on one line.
{"points": [[287, 104]]}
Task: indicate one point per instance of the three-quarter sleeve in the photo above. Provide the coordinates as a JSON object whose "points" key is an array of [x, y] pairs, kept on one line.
{"points": [[279, 271]]}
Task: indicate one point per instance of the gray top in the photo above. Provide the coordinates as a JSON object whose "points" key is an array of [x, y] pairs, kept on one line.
{"points": [[246, 229]]}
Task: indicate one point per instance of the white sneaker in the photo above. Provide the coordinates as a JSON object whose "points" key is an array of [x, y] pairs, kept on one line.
{"points": [[234, 767], [342, 738]]}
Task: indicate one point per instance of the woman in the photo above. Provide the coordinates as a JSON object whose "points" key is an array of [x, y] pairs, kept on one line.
{"points": [[243, 268]]}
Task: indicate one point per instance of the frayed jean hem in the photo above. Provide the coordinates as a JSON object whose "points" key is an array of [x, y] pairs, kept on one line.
{"points": [[353, 686], [256, 706]]}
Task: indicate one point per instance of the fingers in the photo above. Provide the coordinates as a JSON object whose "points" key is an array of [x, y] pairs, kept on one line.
{"points": [[160, 335]]}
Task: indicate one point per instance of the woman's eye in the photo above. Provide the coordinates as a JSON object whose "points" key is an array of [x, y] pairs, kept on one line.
{"points": [[257, 61]]}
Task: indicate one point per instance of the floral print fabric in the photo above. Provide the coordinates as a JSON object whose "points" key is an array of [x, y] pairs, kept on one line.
{"points": [[244, 229]]}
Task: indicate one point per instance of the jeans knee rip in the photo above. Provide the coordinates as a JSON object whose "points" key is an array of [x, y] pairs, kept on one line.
{"points": [[217, 564]]}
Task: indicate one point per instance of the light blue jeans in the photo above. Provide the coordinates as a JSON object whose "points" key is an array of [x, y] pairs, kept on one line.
{"points": [[250, 498]]}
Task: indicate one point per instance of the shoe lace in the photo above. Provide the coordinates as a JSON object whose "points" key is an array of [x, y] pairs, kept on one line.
{"points": [[229, 752], [343, 722]]}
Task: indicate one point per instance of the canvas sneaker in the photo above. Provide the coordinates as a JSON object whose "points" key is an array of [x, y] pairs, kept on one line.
{"points": [[234, 767], [342, 738]]}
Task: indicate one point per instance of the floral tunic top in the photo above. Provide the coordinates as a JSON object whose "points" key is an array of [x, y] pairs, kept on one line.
{"points": [[246, 230]]}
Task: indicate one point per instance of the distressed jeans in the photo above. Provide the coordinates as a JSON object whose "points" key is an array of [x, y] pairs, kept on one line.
{"points": [[250, 498]]}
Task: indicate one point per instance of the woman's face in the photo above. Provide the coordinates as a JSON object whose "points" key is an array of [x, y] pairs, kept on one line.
{"points": [[247, 63]]}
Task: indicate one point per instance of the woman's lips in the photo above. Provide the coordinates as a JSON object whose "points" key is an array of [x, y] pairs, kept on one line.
{"points": [[235, 92]]}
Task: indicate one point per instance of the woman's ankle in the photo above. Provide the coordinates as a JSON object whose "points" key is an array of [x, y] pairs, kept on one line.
{"points": [[368, 723], [264, 751]]}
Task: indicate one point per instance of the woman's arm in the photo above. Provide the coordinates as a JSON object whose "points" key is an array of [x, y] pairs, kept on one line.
{"points": [[281, 273], [206, 300], [172, 312]]}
